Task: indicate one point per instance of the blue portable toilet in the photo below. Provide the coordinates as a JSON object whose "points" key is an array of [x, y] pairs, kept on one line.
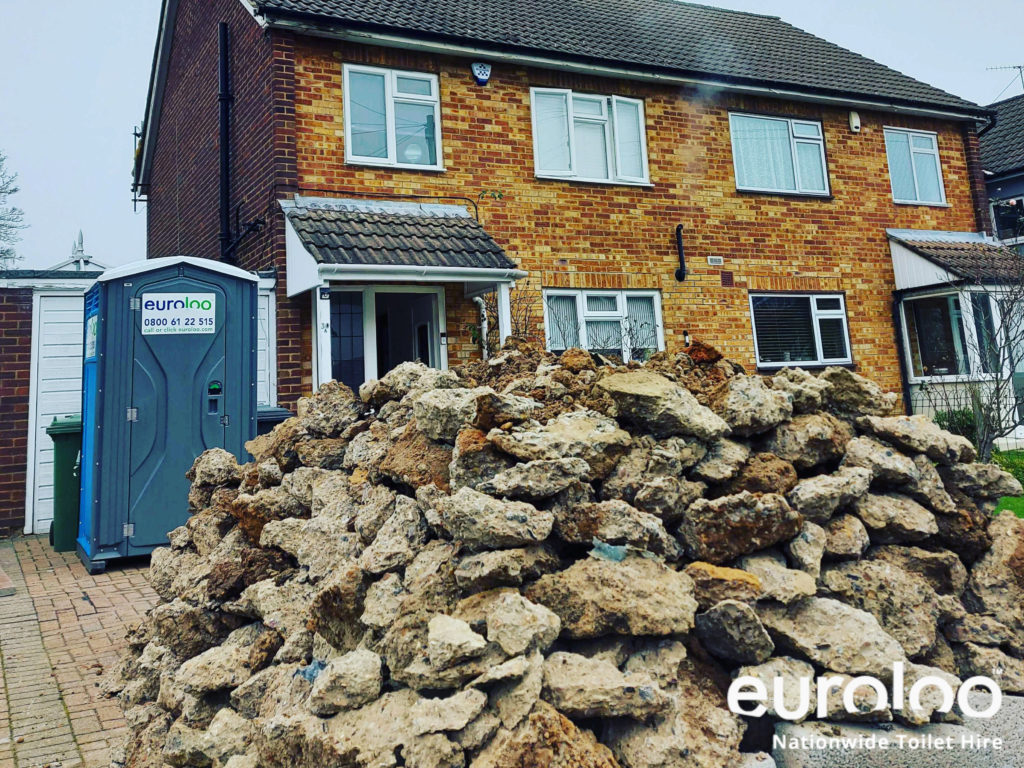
{"points": [[169, 372]]}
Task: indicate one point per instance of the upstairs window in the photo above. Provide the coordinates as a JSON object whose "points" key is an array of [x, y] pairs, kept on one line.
{"points": [[392, 118], [626, 324], [775, 154], [798, 329], [588, 138], [914, 168]]}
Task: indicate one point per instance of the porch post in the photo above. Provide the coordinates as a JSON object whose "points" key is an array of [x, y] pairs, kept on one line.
{"points": [[321, 336], [504, 313]]}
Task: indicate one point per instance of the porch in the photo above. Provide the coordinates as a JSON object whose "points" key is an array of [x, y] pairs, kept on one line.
{"points": [[391, 282]]}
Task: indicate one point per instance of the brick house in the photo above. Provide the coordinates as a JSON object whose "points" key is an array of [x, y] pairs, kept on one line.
{"points": [[1002, 158], [639, 172]]}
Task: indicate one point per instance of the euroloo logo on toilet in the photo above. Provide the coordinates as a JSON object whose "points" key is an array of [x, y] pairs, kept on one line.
{"points": [[174, 313]]}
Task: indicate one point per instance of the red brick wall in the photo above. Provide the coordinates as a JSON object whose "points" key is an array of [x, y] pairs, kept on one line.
{"points": [[15, 371], [613, 236], [183, 195]]}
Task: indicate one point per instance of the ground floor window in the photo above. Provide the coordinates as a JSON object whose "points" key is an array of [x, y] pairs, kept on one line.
{"points": [[942, 341], [800, 329], [625, 324]]}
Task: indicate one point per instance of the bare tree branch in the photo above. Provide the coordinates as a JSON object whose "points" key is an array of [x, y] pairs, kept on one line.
{"points": [[11, 219]]}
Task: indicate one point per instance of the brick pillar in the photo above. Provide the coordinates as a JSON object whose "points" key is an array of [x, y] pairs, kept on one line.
{"points": [[979, 192], [15, 372]]}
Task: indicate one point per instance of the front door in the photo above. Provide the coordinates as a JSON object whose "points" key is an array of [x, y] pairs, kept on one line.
{"points": [[375, 329], [180, 398]]}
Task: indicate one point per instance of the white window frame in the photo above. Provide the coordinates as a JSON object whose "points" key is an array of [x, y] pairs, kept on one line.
{"points": [[582, 315], [266, 293], [391, 97], [322, 361], [911, 133], [816, 315], [793, 141], [970, 331], [609, 118]]}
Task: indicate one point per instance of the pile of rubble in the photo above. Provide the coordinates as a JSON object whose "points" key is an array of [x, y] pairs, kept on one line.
{"points": [[540, 561]]}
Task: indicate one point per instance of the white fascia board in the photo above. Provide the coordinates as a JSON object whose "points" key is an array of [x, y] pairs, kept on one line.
{"points": [[80, 286], [149, 265], [627, 73], [302, 272], [401, 272], [914, 271]]}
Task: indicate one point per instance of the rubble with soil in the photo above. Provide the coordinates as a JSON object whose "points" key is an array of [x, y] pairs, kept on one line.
{"points": [[545, 561]]}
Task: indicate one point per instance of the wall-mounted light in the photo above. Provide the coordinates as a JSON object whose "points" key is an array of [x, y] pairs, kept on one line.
{"points": [[855, 122], [481, 72], [686, 338]]}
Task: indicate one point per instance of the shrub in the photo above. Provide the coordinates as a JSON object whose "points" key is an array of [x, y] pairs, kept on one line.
{"points": [[959, 421]]}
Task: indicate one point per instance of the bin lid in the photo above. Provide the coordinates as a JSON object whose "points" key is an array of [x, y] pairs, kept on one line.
{"points": [[63, 425]]}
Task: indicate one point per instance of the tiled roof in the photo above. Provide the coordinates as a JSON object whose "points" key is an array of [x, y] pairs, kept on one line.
{"points": [[665, 35], [983, 262], [1002, 148], [396, 234]]}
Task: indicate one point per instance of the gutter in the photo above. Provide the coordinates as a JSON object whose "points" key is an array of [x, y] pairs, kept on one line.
{"points": [[405, 271], [388, 40]]}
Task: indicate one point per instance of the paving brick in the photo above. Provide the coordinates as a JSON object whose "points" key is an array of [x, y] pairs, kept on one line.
{"points": [[58, 634]]}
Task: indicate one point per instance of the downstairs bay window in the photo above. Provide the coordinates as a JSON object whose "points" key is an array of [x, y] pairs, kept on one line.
{"points": [[951, 334], [625, 324], [799, 329]]}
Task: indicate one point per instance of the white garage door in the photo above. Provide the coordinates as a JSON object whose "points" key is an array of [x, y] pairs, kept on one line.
{"points": [[56, 388]]}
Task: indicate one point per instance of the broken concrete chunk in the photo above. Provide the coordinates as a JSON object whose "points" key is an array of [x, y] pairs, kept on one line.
{"points": [[450, 641], [845, 538], [483, 522], [449, 714], [582, 687], [893, 518], [722, 462], [713, 583], [749, 406], [585, 435], [819, 498], [886, 464], [809, 440], [636, 596], [346, 682], [777, 581], [731, 630], [656, 405], [720, 529], [536, 480], [519, 626]]}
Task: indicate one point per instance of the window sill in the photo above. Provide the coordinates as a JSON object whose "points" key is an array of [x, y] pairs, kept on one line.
{"points": [[794, 195], [397, 166], [595, 182], [765, 369], [926, 205], [957, 379]]}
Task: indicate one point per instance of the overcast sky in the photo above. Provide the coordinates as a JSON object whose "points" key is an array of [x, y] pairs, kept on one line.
{"points": [[73, 79]]}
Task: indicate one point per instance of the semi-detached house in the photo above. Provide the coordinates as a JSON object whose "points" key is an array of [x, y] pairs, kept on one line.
{"points": [[618, 174]]}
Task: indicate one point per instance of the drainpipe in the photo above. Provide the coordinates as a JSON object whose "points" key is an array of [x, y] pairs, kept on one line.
{"points": [[224, 99], [483, 325], [681, 272], [897, 323]]}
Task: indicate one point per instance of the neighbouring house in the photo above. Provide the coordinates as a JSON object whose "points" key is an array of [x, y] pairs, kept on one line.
{"points": [[40, 378], [617, 175], [1002, 158]]}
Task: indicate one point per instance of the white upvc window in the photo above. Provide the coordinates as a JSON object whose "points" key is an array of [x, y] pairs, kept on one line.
{"points": [[799, 329], [914, 167], [585, 137], [778, 154], [392, 118], [626, 324], [957, 336]]}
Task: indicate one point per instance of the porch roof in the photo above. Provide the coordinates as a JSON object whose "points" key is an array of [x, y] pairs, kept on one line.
{"points": [[922, 258], [329, 239], [382, 233]]}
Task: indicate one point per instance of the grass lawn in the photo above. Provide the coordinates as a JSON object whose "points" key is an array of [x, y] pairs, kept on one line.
{"points": [[1013, 503]]}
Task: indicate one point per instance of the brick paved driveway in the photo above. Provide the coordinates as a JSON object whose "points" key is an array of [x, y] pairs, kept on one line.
{"points": [[59, 632]]}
